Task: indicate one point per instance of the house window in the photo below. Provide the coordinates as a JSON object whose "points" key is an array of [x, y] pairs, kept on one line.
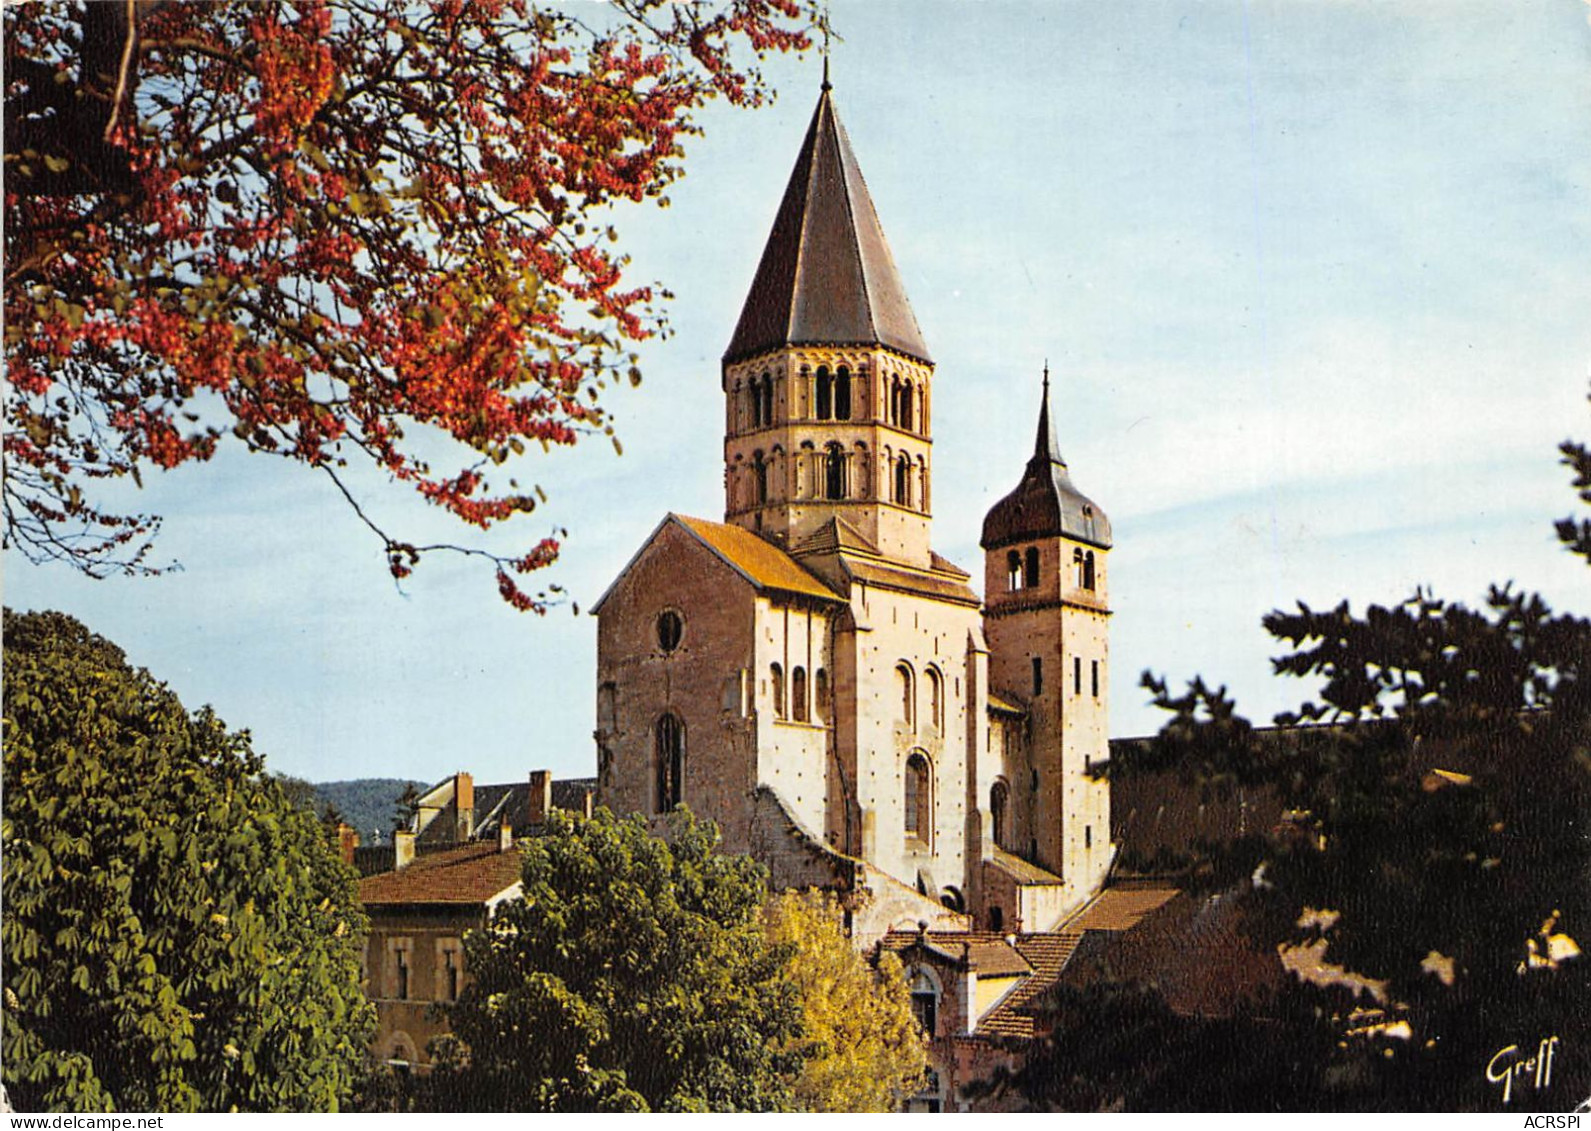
{"points": [[798, 694], [908, 695], [1077, 675], [1088, 570], [936, 700], [1088, 836], [842, 394], [450, 975], [670, 765], [1093, 667], [669, 630], [1030, 569], [999, 802], [776, 676], [401, 956], [919, 797], [1038, 676], [1013, 571], [820, 688], [996, 919], [925, 1002]]}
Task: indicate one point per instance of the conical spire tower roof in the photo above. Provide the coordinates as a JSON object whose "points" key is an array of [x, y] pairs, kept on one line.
{"points": [[826, 275], [1045, 504]]}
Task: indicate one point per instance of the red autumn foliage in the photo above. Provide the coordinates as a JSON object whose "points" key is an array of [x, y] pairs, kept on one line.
{"points": [[331, 230]]}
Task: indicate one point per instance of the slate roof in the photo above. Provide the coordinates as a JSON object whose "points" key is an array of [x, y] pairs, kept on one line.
{"points": [[510, 800], [1045, 503], [826, 275], [472, 873]]}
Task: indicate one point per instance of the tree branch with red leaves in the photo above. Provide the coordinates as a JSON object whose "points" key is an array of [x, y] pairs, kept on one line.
{"points": [[329, 230]]}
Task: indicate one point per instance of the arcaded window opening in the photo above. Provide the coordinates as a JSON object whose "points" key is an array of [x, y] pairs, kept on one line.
{"points": [[798, 694]]}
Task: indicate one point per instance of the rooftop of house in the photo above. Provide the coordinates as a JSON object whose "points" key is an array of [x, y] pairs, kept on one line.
{"points": [[468, 874]]}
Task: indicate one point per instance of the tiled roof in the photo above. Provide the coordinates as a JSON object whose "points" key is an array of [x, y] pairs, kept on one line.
{"points": [[1121, 908], [473, 873], [836, 534], [1193, 949], [988, 952], [826, 275], [1048, 955], [1021, 870], [510, 800], [942, 564], [762, 563]]}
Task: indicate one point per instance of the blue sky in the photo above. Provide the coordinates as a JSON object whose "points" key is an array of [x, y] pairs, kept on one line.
{"points": [[1314, 283]]}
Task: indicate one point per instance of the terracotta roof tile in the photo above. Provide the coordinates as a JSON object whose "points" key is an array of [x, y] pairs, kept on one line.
{"points": [[473, 873], [762, 563], [1121, 908]]}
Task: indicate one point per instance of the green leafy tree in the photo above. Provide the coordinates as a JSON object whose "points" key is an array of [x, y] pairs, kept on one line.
{"points": [[178, 934], [634, 974], [1439, 844], [861, 1047]]}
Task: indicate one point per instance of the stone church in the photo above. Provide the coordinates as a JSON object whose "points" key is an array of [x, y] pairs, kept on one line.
{"points": [[809, 673]]}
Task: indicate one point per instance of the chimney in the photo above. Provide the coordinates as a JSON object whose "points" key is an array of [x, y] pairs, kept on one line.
{"points": [[540, 797], [402, 849], [347, 841], [464, 804], [505, 836]]}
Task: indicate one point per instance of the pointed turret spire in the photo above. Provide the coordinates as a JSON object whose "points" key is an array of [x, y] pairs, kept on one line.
{"points": [[1045, 504], [826, 275], [1045, 450]]}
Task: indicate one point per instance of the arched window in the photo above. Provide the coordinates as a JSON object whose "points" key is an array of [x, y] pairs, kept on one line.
{"points": [[798, 694], [834, 473], [754, 394], [842, 394], [1077, 568], [825, 393], [863, 472], [894, 399], [919, 797], [936, 700], [1030, 568], [999, 807], [1088, 570], [776, 677], [906, 406], [1013, 571], [820, 689], [670, 762], [903, 480], [759, 471], [767, 398], [908, 694]]}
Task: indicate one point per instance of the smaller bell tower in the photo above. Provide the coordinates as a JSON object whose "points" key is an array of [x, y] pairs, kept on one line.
{"points": [[1047, 622]]}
